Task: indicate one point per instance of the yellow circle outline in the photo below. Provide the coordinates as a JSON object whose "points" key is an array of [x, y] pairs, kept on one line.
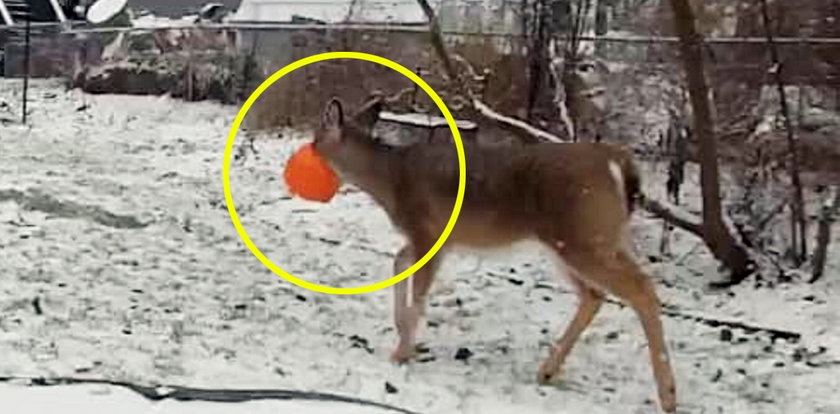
{"points": [[229, 151]]}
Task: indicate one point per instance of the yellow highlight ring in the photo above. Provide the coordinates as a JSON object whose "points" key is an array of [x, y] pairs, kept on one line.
{"points": [[234, 129]]}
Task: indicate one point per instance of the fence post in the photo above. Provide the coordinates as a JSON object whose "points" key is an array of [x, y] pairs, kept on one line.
{"points": [[25, 67], [190, 93]]}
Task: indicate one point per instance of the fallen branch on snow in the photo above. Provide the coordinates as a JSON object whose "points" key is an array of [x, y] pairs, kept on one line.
{"points": [[673, 216], [670, 310], [158, 393]]}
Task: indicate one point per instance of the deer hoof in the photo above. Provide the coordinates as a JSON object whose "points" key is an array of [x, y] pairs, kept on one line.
{"points": [[403, 354], [548, 372], [669, 401]]}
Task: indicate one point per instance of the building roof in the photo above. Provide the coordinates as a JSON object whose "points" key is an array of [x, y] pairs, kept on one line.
{"points": [[178, 8], [332, 11]]}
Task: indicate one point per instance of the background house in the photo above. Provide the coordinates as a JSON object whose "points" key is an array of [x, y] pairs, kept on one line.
{"points": [[177, 8], [473, 16]]}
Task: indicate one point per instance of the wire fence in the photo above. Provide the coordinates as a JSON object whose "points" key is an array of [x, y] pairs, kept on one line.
{"points": [[639, 76]]}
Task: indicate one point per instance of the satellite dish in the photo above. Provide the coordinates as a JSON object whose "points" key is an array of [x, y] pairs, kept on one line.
{"points": [[104, 11], [213, 12]]}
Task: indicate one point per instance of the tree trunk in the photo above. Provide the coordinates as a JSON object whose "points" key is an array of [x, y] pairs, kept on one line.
{"points": [[829, 210], [537, 45], [715, 233], [602, 25]]}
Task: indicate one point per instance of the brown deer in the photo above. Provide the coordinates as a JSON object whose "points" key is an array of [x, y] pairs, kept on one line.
{"points": [[575, 198]]}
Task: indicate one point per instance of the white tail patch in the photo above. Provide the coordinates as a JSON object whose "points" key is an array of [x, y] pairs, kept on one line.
{"points": [[615, 171]]}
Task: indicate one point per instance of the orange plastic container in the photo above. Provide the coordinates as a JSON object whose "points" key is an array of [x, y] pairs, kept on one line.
{"points": [[309, 176]]}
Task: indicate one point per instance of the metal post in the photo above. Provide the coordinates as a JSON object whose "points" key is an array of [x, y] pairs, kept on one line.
{"points": [[25, 68]]}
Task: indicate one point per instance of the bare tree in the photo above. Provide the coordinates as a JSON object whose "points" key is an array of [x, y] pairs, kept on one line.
{"points": [[717, 235], [602, 24], [829, 210], [797, 221], [537, 41]]}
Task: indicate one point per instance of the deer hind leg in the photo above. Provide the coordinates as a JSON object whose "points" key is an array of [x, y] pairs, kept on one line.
{"points": [[616, 272], [410, 299], [589, 302]]}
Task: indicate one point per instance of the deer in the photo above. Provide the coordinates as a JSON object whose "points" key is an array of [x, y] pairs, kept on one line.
{"points": [[574, 198]]}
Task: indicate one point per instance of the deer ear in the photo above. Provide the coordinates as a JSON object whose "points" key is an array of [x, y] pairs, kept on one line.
{"points": [[333, 115]]}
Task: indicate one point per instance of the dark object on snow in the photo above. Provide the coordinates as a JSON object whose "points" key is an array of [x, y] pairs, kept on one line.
{"points": [[390, 389], [128, 79], [515, 281], [463, 354], [36, 303], [359, 342], [717, 375], [158, 393]]}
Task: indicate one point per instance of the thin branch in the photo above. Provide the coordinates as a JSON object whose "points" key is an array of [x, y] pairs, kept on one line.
{"points": [[713, 322], [522, 126], [673, 216], [798, 223]]}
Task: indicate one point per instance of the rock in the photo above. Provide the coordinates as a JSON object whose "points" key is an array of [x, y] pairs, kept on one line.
{"points": [[515, 281], [389, 388], [717, 376], [463, 354]]}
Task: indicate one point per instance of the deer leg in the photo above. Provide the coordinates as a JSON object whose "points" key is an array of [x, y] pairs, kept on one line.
{"points": [[618, 273], [410, 300], [646, 304], [589, 301]]}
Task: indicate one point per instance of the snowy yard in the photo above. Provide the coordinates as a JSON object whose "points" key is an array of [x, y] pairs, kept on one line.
{"points": [[118, 261]]}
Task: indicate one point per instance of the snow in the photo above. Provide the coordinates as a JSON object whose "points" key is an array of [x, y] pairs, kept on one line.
{"points": [[424, 120], [151, 21], [103, 10], [333, 11], [177, 299]]}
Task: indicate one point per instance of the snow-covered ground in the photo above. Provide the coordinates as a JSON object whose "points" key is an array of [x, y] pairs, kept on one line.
{"points": [[118, 261]]}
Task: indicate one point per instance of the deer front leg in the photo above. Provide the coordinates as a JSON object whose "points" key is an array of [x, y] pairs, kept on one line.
{"points": [[410, 300]]}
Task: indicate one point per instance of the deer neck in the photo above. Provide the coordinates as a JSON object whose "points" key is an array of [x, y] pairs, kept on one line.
{"points": [[369, 166]]}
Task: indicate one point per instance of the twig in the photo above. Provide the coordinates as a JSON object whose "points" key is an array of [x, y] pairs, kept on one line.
{"points": [[688, 253], [714, 323], [772, 213], [672, 216], [670, 310]]}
